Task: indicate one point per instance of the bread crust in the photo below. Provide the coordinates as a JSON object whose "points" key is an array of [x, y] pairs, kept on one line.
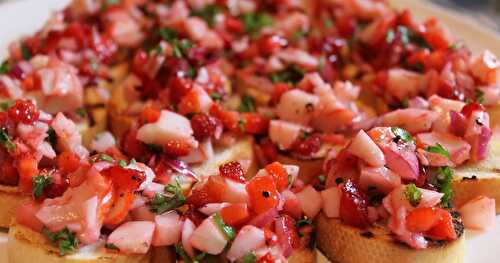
{"points": [[10, 199], [28, 246], [304, 255], [482, 178], [346, 244]]}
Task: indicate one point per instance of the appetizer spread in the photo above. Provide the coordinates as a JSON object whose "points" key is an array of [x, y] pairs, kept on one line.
{"points": [[245, 131]]}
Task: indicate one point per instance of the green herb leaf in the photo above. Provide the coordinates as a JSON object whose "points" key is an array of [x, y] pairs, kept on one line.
{"points": [[111, 246], [82, 112], [106, 158], [179, 249], [162, 203], [168, 34], [65, 239], [241, 125], [290, 75], [226, 230], [6, 141], [441, 179], [216, 96], [122, 163], [5, 67], [303, 222], [479, 96], [247, 104], [133, 161], [207, 13], [413, 194], [254, 22], [51, 137], [438, 149], [39, 184], [5, 105], [402, 134], [249, 258], [26, 52]]}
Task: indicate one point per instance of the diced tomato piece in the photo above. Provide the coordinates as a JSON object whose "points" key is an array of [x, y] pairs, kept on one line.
{"points": [[232, 170], [279, 175], [68, 162], [406, 19], [24, 111], [234, 25], [150, 114], [235, 214], [125, 179], [176, 148], [189, 103], [262, 193], [421, 219], [139, 62], [211, 192], [436, 34], [346, 25], [433, 222], [254, 123], [468, 109], [27, 167], [204, 126], [120, 208], [194, 215], [58, 186], [354, 206]]}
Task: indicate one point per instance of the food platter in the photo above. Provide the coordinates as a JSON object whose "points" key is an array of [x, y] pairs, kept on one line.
{"points": [[24, 17]]}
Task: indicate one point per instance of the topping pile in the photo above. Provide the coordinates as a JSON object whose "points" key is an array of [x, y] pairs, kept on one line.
{"points": [[387, 104]]}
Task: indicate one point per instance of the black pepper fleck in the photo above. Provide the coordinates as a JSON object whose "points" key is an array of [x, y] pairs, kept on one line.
{"points": [[266, 194]]}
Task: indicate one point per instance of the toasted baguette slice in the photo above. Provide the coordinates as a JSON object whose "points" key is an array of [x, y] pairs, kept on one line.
{"points": [[481, 178], [28, 246], [342, 243], [309, 169], [10, 199]]}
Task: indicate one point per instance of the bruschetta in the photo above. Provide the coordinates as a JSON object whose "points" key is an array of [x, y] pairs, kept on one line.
{"points": [[223, 215]]}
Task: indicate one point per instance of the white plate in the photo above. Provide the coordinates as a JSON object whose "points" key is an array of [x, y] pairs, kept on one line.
{"points": [[25, 17]]}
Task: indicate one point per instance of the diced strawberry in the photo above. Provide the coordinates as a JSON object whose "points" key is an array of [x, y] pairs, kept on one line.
{"points": [[168, 229], [270, 44], [189, 103], [346, 25], [310, 201], [179, 87], [232, 170], [267, 258], [229, 119], [23, 111], [131, 145], [208, 237], [125, 179], [269, 150], [8, 172], [249, 238], [235, 214], [176, 148], [203, 126], [263, 194], [354, 206], [279, 175], [234, 25], [142, 233], [308, 146]]}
